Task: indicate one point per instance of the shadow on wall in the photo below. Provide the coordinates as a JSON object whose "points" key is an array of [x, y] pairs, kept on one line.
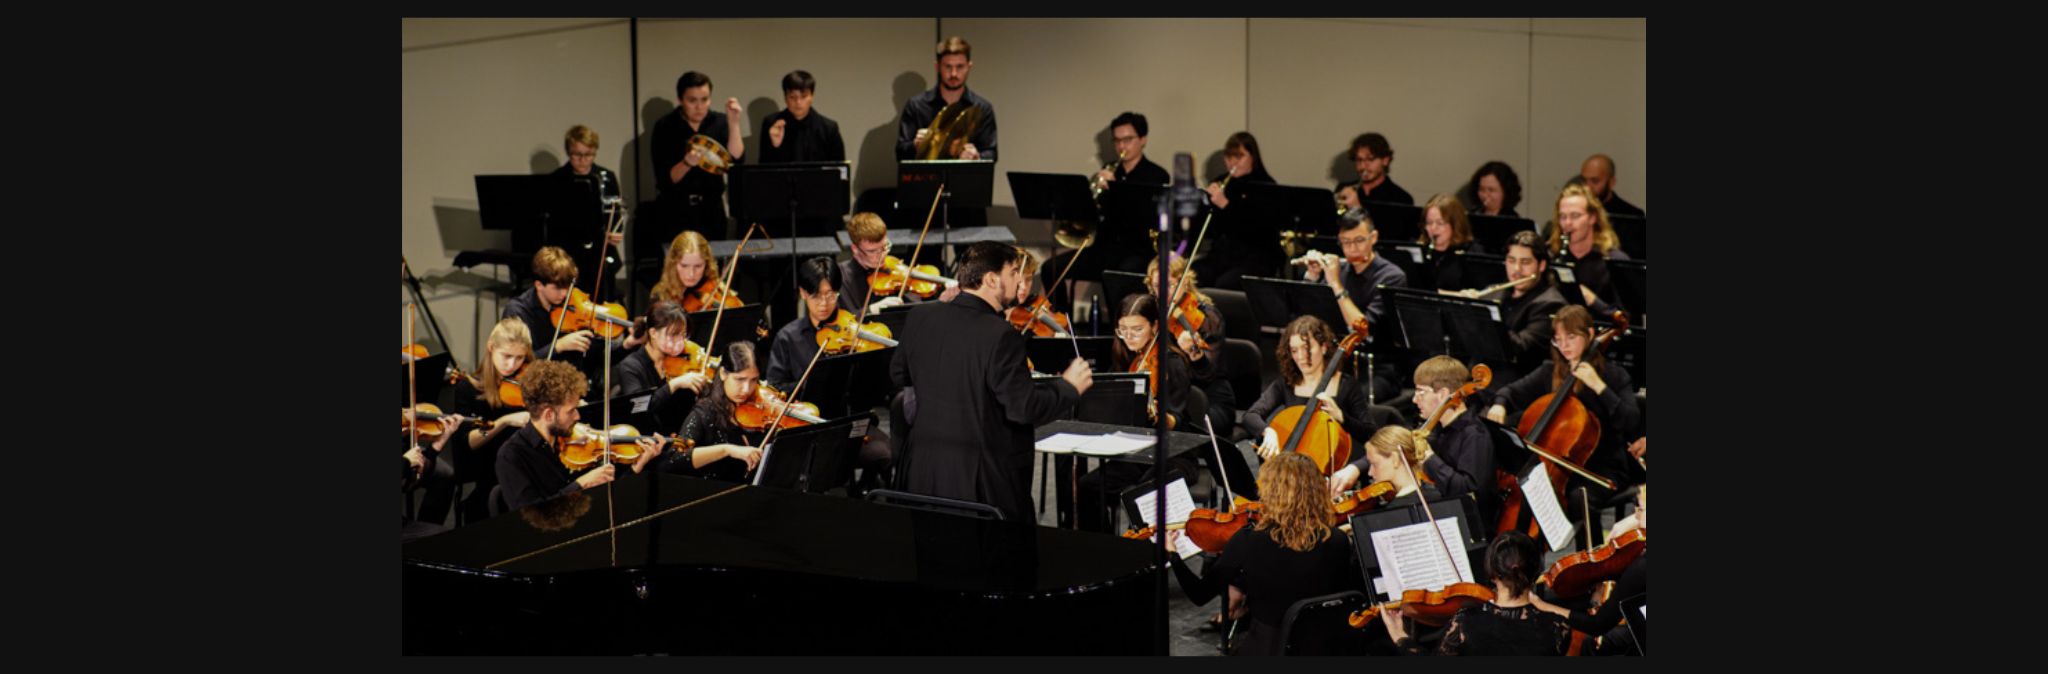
{"points": [[1342, 170], [543, 162], [461, 227], [875, 166], [650, 112]]}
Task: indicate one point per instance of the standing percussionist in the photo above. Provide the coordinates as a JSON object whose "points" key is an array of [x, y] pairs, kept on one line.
{"points": [[972, 405], [690, 196]]}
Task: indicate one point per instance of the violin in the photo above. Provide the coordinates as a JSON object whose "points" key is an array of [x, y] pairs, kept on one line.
{"points": [[709, 294], [1188, 317], [1360, 500], [1149, 364], [579, 313], [511, 393], [1207, 528], [756, 414], [1580, 571], [694, 359], [923, 280], [586, 447], [433, 422], [1432, 608], [1558, 424], [842, 336], [1308, 428], [1037, 317], [416, 352]]}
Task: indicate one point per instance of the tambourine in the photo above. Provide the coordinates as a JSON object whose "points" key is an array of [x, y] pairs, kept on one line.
{"points": [[711, 156]]}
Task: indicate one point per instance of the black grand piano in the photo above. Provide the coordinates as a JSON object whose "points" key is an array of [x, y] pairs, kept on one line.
{"points": [[711, 568]]}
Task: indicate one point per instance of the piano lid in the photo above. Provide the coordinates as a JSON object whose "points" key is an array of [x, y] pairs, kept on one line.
{"points": [[667, 520]]}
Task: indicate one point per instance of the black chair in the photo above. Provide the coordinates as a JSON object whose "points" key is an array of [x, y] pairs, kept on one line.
{"points": [[1318, 626], [1241, 364], [498, 506], [1238, 321], [935, 504]]}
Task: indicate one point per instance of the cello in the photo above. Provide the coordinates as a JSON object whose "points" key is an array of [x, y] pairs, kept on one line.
{"points": [[1559, 429], [1308, 428]]}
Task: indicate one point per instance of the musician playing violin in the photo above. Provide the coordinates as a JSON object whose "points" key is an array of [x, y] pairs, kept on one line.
{"points": [[870, 243], [818, 281], [1393, 454], [689, 276], [668, 336], [1510, 624], [481, 395], [1604, 388], [1290, 554], [1137, 327], [530, 467], [723, 451], [1458, 454], [554, 273]]}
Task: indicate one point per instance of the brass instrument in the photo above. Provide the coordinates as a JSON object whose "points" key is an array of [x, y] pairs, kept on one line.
{"points": [[1074, 233], [1097, 183], [951, 130]]}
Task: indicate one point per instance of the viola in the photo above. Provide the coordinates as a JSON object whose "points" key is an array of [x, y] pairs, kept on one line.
{"points": [[579, 313], [922, 280], [1581, 571], [1432, 608], [756, 414], [1037, 317], [842, 335]]}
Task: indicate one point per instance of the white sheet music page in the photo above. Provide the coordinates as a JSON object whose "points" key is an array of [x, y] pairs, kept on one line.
{"points": [[1542, 499], [1179, 505], [1413, 558]]}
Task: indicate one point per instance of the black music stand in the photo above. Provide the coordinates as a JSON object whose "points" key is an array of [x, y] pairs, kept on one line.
{"points": [[1365, 523], [1633, 233], [1117, 285], [431, 372], [746, 323], [1470, 330], [1484, 270], [1275, 302], [1050, 355], [815, 191], [1051, 196], [1129, 211], [520, 204], [854, 382], [1631, 284], [635, 408], [1292, 208], [1116, 398], [1398, 222], [1493, 231], [970, 183], [816, 458]]}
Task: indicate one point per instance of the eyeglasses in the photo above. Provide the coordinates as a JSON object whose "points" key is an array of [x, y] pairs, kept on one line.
{"points": [[583, 155], [1131, 332], [1352, 241], [827, 296]]}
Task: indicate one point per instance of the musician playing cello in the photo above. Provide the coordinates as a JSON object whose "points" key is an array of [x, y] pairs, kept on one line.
{"points": [[1603, 387]]}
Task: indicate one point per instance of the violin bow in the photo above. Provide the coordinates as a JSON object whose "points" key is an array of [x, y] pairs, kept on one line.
{"points": [[412, 394], [788, 399], [725, 288], [919, 248], [1228, 503], [1432, 522]]}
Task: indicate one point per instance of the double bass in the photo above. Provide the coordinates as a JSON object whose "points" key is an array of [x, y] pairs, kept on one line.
{"points": [[1308, 428], [1558, 428]]}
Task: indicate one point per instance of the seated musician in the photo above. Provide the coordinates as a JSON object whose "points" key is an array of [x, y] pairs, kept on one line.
{"points": [[689, 276], [796, 344], [530, 467], [1356, 280], [1465, 462], [870, 242], [1291, 553], [554, 273], [421, 469], [479, 396], [668, 333], [1373, 157], [1593, 242], [1604, 621], [1137, 324], [1309, 344], [1510, 624], [1603, 387], [1527, 307], [1446, 233], [723, 450], [1394, 454]]}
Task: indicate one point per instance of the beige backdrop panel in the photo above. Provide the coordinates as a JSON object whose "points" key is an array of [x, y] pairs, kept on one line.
{"points": [[1591, 95], [1448, 95], [496, 105]]}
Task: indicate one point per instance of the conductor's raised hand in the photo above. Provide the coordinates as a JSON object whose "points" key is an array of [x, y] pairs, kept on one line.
{"points": [[1078, 374]]}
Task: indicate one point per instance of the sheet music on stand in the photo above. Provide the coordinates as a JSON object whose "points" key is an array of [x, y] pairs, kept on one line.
{"points": [[1413, 558], [1180, 505], [1542, 499]]}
